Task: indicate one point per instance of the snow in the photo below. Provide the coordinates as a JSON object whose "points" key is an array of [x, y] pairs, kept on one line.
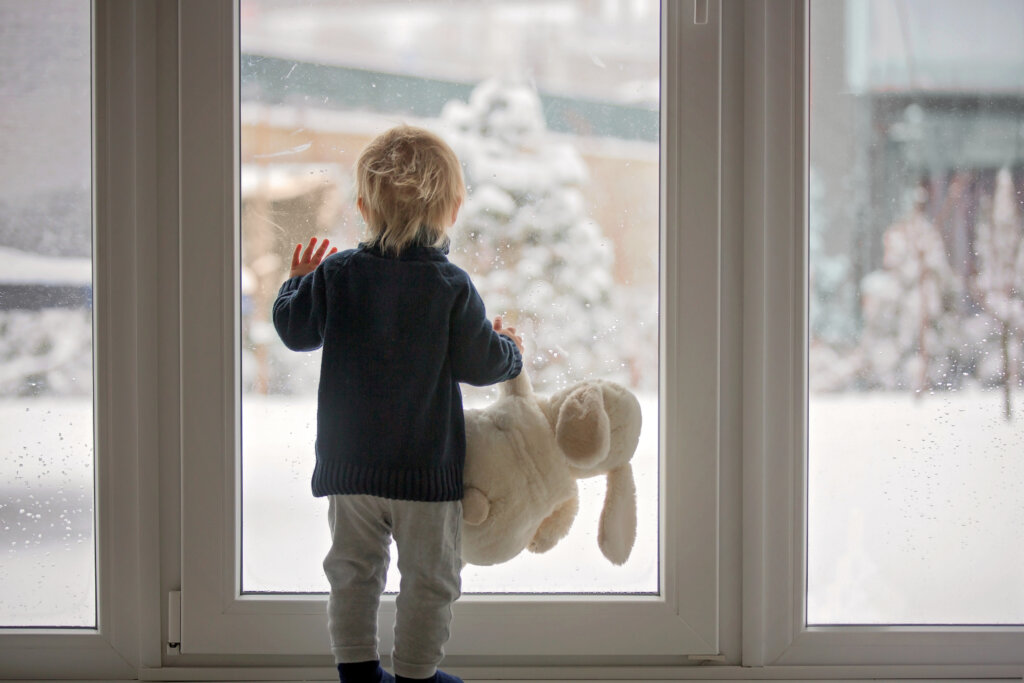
{"points": [[281, 181], [923, 324], [999, 282], [46, 352], [535, 254], [915, 512], [283, 520], [47, 565], [25, 268], [913, 310], [915, 509]]}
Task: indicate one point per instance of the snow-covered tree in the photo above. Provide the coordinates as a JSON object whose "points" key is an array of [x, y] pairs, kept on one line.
{"points": [[998, 285], [525, 236], [832, 323], [911, 309], [829, 283]]}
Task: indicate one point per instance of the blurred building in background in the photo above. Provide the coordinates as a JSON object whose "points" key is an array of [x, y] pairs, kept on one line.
{"points": [[915, 108], [911, 95]]}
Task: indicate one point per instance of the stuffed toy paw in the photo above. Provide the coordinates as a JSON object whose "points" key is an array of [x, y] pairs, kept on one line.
{"points": [[524, 454]]}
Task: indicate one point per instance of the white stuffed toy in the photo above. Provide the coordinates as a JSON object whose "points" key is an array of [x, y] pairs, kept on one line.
{"points": [[524, 454]]}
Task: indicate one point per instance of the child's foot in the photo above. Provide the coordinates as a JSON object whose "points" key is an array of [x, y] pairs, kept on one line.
{"points": [[364, 672], [439, 677]]}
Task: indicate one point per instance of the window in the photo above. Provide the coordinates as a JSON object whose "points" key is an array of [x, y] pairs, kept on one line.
{"points": [[97, 123], [556, 120], [47, 571], [916, 313], [795, 618]]}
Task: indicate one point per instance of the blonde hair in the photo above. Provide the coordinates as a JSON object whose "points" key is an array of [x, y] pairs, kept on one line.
{"points": [[410, 183]]}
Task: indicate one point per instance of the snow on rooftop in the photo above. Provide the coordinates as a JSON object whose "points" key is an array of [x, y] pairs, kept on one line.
{"points": [[286, 181], [25, 268]]}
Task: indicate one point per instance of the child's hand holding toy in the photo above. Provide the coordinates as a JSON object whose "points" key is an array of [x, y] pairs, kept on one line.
{"points": [[509, 332]]}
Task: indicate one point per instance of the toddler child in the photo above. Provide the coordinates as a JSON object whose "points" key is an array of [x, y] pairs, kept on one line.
{"points": [[400, 327]]}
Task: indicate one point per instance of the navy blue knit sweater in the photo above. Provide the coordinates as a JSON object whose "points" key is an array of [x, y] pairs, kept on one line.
{"points": [[398, 335]]}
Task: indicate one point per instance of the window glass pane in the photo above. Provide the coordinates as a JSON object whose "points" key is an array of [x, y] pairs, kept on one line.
{"points": [[47, 551], [553, 109], [916, 316]]}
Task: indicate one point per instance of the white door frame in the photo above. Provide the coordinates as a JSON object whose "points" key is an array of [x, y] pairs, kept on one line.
{"points": [[217, 619]]}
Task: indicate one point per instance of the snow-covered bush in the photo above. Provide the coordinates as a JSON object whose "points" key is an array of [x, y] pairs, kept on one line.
{"points": [[525, 237], [911, 311], [998, 285], [46, 352], [924, 327]]}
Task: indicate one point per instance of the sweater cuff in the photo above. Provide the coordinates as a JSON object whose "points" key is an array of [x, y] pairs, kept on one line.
{"points": [[290, 284], [517, 363]]}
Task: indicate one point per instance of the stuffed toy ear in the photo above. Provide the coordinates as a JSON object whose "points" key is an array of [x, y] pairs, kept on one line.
{"points": [[583, 431], [617, 531]]}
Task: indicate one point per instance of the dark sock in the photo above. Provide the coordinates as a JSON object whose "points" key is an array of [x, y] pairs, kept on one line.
{"points": [[439, 677], [364, 672]]}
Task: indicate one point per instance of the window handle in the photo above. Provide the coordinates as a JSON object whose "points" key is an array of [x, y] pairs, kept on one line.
{"points": [[700, 12]]}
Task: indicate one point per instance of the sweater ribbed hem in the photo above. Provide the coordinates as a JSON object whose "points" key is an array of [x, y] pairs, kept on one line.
{"points": [[426, 485]]}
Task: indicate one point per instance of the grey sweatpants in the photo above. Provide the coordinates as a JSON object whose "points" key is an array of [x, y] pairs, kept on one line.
{"points": [[428, 536]]}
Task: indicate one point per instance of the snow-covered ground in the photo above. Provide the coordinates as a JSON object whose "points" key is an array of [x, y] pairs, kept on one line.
{"points": [[47, 567], [281, 519], [916, 509], [916, 512]]}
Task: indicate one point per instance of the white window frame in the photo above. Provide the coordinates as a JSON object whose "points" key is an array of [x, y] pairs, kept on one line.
{"points": [[125, 348], [775, 633], [217, 619]]}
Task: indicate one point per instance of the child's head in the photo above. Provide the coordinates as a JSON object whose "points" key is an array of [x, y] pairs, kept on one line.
{"points": [[410, 187]]}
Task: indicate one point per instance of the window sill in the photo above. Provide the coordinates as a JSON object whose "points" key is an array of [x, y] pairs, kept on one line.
{"points": [[541, 674]]}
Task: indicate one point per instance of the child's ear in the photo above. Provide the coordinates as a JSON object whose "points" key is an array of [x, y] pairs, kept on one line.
{"points": [[362, 210], [455, 211]]}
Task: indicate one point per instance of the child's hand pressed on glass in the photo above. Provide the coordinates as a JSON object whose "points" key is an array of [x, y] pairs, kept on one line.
{"points": [[306, 262], [509, 332]]}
